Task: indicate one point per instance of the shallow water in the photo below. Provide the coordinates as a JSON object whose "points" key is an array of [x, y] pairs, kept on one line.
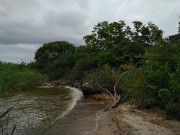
{"points": [[82, 120], [38, 108], [51, 111]]}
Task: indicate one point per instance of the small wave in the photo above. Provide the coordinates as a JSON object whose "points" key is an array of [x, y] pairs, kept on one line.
{"points": [[96, 122], [76, 94]]}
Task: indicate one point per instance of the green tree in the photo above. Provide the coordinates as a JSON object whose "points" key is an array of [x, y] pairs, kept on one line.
{"points": [[61, 66], [82, 65], [149, 34], [115, 43], [174, 38], [51, 51], [106, 35]]}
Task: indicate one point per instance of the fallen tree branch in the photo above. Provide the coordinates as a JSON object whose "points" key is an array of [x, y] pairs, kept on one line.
{"points": [[120, 78], [120, 101], [104, 89]]}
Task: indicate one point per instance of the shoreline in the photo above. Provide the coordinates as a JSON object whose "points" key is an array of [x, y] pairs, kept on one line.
{"points": [[92, 115], [102, 122], [81, 120], [126, 119]]}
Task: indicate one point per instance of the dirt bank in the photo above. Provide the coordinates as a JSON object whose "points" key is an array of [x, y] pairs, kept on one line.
{"points": [[127, 120], [132, 121]]}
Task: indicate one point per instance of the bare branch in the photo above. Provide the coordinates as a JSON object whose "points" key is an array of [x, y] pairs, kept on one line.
{"points": [[115, 95], [105, 89], [115, 91]]}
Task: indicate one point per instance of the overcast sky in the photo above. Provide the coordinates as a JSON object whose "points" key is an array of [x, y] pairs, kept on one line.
{"points": [[25, 25]]}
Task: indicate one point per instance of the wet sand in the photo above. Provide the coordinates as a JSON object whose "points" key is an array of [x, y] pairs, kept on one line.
{"points": [[105, 124], [90, 117], [86, 118]]}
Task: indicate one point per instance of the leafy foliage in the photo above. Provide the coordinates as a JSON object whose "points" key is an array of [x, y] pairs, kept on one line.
{"points": [[104, 76], [174, 38], [51, 51], [149, 34], [157, 82], [14, 76]]}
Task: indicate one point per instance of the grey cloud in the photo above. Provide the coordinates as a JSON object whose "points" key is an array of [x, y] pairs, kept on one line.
{"points": [[35, 22], [18, 52], [48, 22]]}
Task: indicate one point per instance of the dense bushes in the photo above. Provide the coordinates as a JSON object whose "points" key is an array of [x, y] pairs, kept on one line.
{"points": [[158, 80], [16, 76], [105, 76], [162, 72]]}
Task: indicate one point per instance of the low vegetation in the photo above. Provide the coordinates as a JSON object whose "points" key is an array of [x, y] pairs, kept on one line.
{"points": [[17, 76]]}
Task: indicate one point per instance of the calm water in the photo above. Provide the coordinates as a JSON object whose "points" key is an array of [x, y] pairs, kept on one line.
{"points": [[49, 111]]}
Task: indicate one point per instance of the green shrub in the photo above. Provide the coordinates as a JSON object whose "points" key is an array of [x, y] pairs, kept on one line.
{"points": [[60, 67], [82, 65], [15, 76], [158, 81], [106, 77], [140, 90]]}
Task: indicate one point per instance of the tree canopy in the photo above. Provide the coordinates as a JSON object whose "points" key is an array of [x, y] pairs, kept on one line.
{"points": [[52, 50], [107, 35]]}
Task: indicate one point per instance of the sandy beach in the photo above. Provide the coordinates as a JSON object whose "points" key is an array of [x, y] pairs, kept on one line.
{"points": [[126, 119], [132, 121]]}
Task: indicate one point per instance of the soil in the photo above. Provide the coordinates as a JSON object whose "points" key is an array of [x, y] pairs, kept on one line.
{"points": [[131, 121], [104, 124]]}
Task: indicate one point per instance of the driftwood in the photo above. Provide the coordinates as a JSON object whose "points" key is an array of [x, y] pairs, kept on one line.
{"points": [[115, 94], [120, 100]]}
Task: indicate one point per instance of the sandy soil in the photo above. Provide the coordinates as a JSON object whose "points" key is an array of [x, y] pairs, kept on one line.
{"points": [[104, 124], [131, 121], [126, 120]]}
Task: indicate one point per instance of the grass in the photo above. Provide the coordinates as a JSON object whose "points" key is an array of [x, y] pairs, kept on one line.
{"points": [[17, 76]]}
